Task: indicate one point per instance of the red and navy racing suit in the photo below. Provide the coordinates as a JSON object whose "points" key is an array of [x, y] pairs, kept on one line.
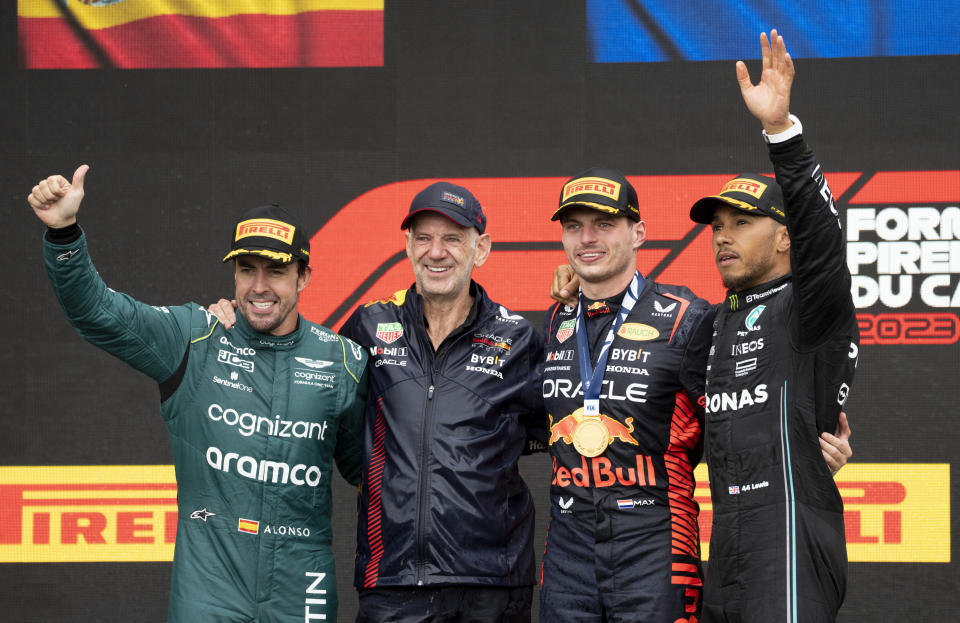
{"points": [[442, 502], [784, 359], [623, 543]]}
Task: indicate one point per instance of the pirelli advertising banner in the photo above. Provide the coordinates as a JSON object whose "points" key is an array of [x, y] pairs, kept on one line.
{"points": [[190, 113], [893, 512]]}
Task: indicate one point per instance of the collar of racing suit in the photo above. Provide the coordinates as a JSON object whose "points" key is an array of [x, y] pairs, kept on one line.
{"points": [[266, 340], [756, 294]]}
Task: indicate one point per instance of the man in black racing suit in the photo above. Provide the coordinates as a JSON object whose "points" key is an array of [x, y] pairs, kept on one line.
{"points": [[623, 543], [785, 350]]}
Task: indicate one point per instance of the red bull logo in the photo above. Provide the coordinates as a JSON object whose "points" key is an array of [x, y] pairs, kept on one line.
{"points": [[598, 308], [397, 298], [599, 472], [566, 427]]}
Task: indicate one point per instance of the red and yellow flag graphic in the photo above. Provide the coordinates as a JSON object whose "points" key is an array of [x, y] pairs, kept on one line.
{"points": [[87, 34]]}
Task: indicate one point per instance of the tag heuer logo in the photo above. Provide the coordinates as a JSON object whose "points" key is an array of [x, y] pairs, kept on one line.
{"points": [[566, 329], [389, 332]]}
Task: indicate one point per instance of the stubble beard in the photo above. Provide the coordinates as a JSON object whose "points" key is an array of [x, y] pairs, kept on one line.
{"points": [[267, 325]]}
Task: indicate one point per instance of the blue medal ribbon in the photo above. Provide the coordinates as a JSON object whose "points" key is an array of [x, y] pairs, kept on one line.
{"points": [[591, 379]]}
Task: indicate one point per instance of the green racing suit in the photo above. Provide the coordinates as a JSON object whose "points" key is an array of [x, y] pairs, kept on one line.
{"points": [[255, 421]]}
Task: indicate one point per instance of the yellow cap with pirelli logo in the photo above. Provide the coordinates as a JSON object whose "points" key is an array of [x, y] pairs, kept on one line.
{"points": [[605, 190], [269, 231]]}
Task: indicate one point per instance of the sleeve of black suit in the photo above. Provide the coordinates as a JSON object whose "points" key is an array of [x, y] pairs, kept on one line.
{"points": [[821, 279]]}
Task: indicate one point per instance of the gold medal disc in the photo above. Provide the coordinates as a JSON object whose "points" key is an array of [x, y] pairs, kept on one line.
{"points": [[590, 437]]}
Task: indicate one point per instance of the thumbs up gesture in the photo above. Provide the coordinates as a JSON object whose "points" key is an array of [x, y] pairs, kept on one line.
{"points": [[56, 201]]}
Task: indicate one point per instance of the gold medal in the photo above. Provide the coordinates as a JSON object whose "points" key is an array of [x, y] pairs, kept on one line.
{"points": [[591, 437]]}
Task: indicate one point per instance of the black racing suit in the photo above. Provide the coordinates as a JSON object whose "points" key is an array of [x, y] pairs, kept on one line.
{"points": [[442, 501], [623, 543], [783, 360]]}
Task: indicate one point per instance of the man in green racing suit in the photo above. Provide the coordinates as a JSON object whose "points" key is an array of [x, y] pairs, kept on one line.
{"points": [[255, 417]]}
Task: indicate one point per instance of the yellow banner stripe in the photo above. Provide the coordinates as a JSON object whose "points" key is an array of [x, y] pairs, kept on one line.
{"points": [[85, 474], [94, 17], [894, 512], [98, 494]]}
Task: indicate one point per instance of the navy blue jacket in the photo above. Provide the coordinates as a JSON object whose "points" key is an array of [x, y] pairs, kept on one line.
{"points": [[442, 500]]}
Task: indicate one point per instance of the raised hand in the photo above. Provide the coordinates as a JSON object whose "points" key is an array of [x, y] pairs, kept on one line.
{"points": [[56, 201], [769, 100]]}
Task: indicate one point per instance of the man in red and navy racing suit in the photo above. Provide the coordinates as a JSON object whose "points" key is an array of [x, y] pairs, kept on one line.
{"points": [[623, 543], [256, 416], [785, 350]]}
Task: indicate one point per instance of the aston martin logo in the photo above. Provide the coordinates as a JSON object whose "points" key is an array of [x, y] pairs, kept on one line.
{"points": [[314, 363]]}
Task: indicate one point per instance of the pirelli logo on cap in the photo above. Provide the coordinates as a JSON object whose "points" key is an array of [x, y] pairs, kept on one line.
{"points": [[892, 512], [269, 228], [743, 185], [592, 186]]}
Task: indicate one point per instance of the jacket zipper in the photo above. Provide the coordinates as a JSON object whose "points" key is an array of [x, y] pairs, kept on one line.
{"points": [[424, 454], [436, 366]]}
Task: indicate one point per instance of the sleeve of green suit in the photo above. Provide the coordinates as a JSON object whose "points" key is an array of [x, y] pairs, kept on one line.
{"points": [[349, 451], [151, 339]]}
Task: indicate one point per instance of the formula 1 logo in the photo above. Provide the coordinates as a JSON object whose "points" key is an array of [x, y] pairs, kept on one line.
{"points": [[526, 244], [676, 251]]}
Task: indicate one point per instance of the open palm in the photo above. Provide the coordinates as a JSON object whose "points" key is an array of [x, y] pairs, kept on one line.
{"points": [[769, 100]]}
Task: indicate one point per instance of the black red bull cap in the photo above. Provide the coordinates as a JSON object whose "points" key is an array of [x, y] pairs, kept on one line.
{"points": [[454, 202], [269, 231], [606, 190], [750, 192]]}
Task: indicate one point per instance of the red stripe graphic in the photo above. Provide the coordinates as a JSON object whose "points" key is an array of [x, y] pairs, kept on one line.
{"points": [[909, 187], [684, 304], [684, 435], [310, 39], [374, 487]]}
